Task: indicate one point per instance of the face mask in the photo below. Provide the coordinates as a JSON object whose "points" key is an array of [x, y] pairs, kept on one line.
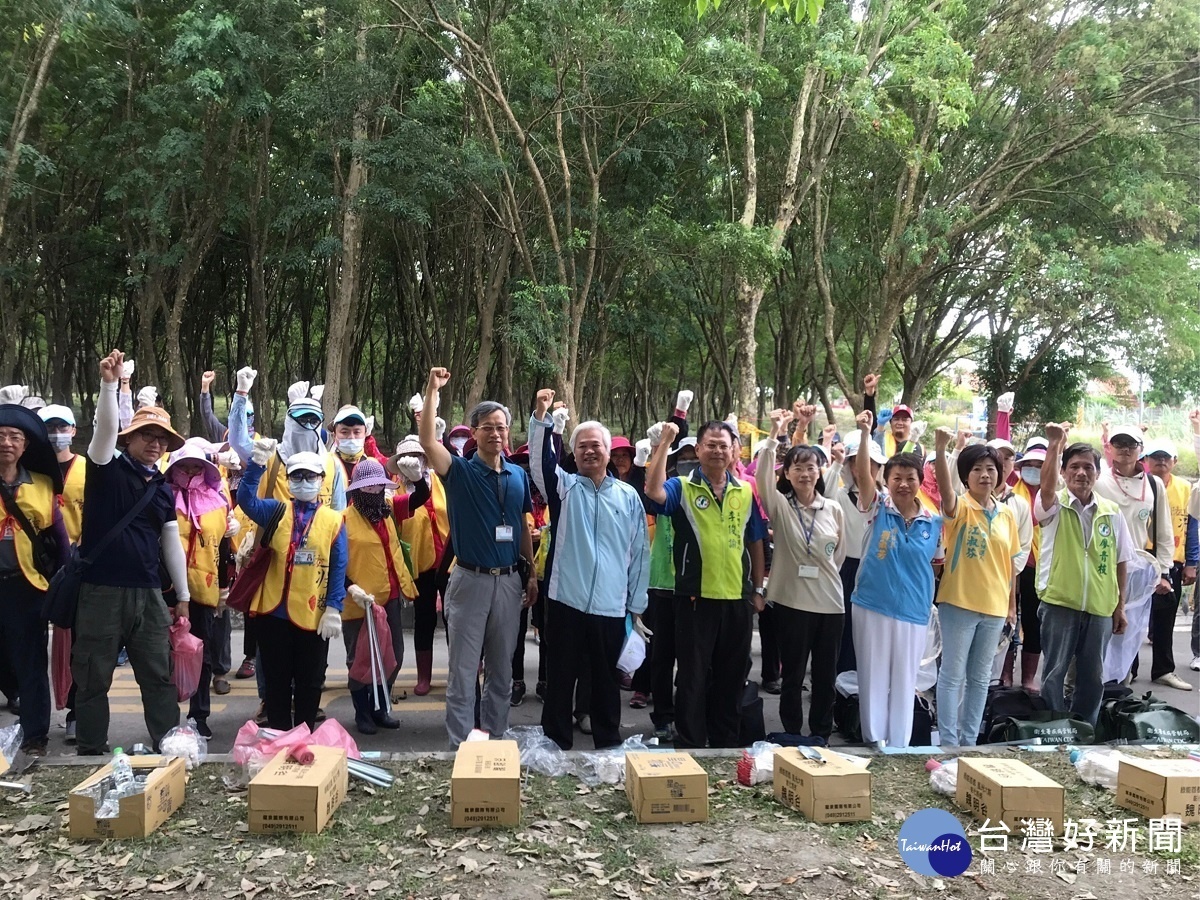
{"points": [[304, 491], [350, 446], [686, 468], [1031, 476], [60, 441], [458, 443]]}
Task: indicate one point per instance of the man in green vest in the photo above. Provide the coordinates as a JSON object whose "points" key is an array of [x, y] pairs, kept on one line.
{"points": [[719, 570], [1080, 573]]}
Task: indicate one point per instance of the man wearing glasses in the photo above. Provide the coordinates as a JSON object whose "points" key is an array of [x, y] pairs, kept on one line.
{"points": [[120, 600], [487, 498]]}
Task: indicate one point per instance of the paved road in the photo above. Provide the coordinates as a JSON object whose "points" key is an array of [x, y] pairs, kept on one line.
{"points": [[422, 717]]}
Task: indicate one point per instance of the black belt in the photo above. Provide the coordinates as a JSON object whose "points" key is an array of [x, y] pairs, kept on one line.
{"points": [[484, 570]]}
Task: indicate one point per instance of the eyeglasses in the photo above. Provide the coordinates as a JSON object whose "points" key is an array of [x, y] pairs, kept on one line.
{"points": [[12, 437], [492, 429], [1124, 445], [155, 438], [306, 477]]}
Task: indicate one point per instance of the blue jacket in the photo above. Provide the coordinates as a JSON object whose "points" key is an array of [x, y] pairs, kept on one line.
{"points": [[599, 560]]}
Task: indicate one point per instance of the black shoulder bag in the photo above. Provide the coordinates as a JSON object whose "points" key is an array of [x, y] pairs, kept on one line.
{"points": [[62, 597]]}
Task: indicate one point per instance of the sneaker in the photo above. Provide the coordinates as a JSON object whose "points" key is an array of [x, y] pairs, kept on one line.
{"points": [[626, 681], [70, 738], [1174, 681], [518, 693], [666, 733], [1196, 663], [773, 687], [246, 669], [220, 686], [584, 723], [539, 690], [638, 700], [123, 657], [202, 728]]}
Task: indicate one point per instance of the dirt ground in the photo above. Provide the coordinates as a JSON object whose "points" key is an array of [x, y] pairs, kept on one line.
{"points": [[574, 842]]}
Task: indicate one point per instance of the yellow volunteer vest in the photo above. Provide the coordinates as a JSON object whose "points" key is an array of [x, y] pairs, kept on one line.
{"points": [[245, 532], [304, 585], [417, 530], [202, 550], [366, 564], [279, 491], [1179, 494], [1021, 489], [37, 501], [71, 499]]}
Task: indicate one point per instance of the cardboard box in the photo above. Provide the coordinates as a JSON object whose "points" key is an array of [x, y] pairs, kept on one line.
{"points": [[666, 787], [832, 791], [485, 787], [288, 797], [140, 813], [1007, 790], [1157, 788]]}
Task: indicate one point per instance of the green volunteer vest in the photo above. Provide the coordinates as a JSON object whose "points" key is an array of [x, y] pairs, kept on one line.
{"points": [[711, 559], [1079, 578], [662, 563]]}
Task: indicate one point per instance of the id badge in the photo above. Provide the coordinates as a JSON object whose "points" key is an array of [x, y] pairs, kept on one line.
{"points": [[304, 558], [504, 534], [808, 572]]}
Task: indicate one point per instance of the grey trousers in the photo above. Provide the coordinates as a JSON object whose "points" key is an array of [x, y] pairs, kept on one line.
{"points": [[350, 632], [483, 616], [108, 619], [1071, 636]]}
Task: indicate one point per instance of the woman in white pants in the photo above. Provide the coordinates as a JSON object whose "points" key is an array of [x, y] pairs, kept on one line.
{"points": [[893, 594]]}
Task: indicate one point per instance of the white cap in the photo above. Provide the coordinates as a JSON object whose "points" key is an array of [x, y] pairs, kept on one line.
{"points": [[1036, 441], [305, 461], [349, 412], [853, 443], [1002, 444], [1130, 431], [54, 411], [688, 441], [1160, 445]]}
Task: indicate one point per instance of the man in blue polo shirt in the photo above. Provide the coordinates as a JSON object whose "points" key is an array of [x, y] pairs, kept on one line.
{"points": [[487, 498]]}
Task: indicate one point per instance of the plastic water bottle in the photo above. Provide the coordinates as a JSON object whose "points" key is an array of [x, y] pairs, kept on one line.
{"points": [[943, 777], [122, 769], [1097, 766]]}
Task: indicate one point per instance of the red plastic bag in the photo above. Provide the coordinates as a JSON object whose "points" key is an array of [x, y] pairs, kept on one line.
{"points": [[330, 733], [60, 666], [361, 670], [187, 659]]}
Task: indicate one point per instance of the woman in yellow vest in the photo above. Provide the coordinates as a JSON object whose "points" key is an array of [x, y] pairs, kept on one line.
{"points": [[202, 509], [426, 532], [376, 572], [298, 608]]}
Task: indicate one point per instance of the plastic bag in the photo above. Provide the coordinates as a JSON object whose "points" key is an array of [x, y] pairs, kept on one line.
{"points": [[186, 742], [362, 671], [539, 753], [330, 733], [1097, 765], [608, 766], [187, 659], [943, 777], [757, 763], [633, 653], [11, 739], [60, 666], [254, 747]]}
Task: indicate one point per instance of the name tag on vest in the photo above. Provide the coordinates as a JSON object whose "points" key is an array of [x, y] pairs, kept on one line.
{"points": [[304, 558]]}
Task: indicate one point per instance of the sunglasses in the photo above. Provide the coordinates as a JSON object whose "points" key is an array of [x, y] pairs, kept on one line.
{"points": [[306, 477]]}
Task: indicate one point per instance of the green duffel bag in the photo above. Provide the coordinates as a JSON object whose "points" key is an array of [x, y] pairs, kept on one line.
{"points": [[1052, 727], [1164, 725], [1114, 712]]}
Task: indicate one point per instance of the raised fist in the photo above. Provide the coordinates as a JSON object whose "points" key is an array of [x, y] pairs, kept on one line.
{"points": [[263, 448], [410, 468], [110, 366], [206, 381], [870, 385], [127, 370], [245, 379], [545, 398], [942, 438], [438, 378], [864, 420], [668, 432], [683, 400], [1056, 433], [1004, 402], [560, 417]]}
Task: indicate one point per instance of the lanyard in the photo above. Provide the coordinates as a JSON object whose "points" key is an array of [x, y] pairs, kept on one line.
{"points": [[806, 533], [501, 497], [294, 544]]}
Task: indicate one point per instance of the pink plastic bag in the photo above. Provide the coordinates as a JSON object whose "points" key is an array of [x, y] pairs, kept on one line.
{"points": [[60, 666], [187, 658], [361, 670], [330, 733]]}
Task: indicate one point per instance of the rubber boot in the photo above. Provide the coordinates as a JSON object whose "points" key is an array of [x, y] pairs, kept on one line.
{"points": [[424, 672], [1006, 674], [363, 720], [380, 716], [1029, 667]]}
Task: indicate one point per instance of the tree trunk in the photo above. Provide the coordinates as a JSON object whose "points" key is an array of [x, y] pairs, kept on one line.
{"points": [[749, 299]]}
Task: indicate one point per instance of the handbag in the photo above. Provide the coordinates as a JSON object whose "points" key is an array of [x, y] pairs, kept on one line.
{"points": [[62, 596], [1050, 726], [1147, 719], [246, 586], [45, 547]]}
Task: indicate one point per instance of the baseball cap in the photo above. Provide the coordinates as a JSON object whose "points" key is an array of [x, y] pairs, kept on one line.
{"points": [[1158, 446], [1002, 444], [854, 443], [54, 411], [902, 410], [1129, 431], [1036, 454], [350, 413], [305, 462]]}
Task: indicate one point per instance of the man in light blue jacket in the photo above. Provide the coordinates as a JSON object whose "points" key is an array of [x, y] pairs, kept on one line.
{"points": [[597, 570]]}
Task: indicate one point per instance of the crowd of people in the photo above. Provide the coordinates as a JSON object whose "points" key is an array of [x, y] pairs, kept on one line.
{"points": [[865, 554]]}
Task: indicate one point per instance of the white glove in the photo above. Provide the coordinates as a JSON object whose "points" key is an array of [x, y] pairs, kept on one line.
{"points": [[683, 400], [410, 468], [641, 630], [918, 429], [416, 403], [359, 596], [560, 417], [222, 599], [298, 391], [316, 392], [147, 396], [330, 627], [127, 369], [245, 378], [439, 427], [232, 525], [1004, 402], [263, 448], [229, 460], [13, 393], [654, 434], [732, 421], [370, 423], [643, 453]]}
